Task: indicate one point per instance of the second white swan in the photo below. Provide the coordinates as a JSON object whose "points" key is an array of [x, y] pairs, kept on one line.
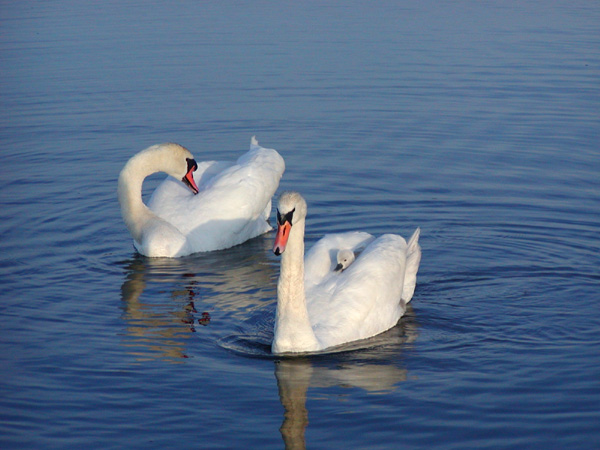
{"points": [[317, 311], [224, 203]]}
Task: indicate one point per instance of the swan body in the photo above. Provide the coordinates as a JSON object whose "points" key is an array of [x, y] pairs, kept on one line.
{"points": [[318, 308], [224, 204]]}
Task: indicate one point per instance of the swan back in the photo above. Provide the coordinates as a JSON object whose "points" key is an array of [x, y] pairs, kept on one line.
{"points": [[365, 299]]}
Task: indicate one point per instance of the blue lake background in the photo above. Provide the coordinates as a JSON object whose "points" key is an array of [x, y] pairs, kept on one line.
{"points": [[477, 121]]}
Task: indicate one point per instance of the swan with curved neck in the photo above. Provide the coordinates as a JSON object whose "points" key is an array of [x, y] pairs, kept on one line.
{"points": [[199, 207], [319, 312]]}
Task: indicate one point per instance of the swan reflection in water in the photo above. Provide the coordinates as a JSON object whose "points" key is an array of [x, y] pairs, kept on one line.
{"points": [[367, 369], [163, 305], [166, 300]]}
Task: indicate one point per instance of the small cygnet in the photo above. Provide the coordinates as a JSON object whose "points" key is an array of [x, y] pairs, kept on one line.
{"points": [[345, 257]]}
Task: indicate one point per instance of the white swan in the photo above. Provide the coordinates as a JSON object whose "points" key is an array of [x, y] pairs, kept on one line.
{"points": [[317, 311], [232, 202]]}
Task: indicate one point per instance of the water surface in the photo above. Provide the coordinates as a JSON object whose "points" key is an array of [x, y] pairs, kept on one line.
{"points": [[477, 122]]}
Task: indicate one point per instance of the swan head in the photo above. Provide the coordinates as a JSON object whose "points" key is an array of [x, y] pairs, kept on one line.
{"points": [[188, 178], [290, 210], [172, 159], [345, 257], [182, 165]]}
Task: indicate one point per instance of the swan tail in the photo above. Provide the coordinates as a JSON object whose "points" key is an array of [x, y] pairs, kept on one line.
{"points": [[413, 242], [412, 266]]}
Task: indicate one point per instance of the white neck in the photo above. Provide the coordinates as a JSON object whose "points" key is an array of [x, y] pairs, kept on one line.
{"points": [[134, 212], [293, 331]]}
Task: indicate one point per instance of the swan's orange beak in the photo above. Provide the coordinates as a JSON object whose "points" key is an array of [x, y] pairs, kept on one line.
{"points": [[283, 233], [188, 179]]}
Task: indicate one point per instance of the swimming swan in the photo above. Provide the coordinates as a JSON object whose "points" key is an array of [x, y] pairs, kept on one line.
{"points": [[317, 311], [224, 203]]}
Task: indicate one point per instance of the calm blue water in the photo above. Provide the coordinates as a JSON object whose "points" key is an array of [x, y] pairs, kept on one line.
{"points": [[477, 121]]}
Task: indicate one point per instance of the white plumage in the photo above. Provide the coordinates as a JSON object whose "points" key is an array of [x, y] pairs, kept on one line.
{"points": [[318, 308], [233, 203]]}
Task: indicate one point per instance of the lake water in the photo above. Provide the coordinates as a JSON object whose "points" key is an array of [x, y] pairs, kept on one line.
{"points": [[477, 121]]}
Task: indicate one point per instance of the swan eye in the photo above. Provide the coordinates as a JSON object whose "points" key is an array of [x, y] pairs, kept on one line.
{"points": [[286, 218], [191, 163]]}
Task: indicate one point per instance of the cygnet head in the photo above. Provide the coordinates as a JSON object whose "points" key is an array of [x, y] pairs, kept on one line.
{"points": [[290, 210], [345, 257]]}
